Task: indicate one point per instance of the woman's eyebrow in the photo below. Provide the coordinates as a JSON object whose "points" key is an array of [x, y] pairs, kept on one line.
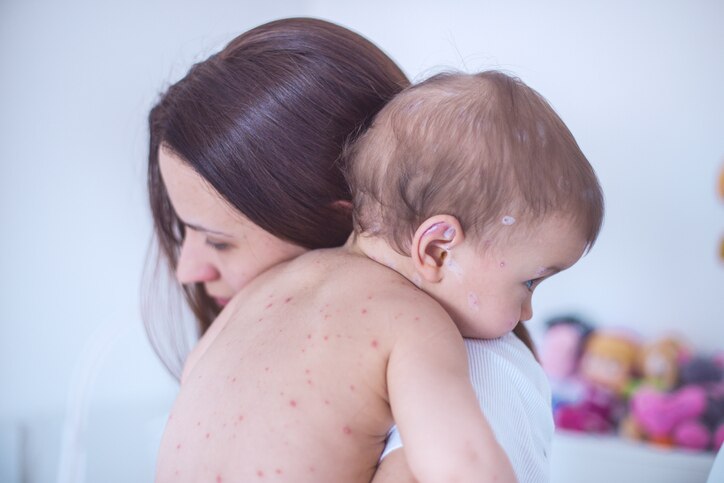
{"points": [[205, 230]]}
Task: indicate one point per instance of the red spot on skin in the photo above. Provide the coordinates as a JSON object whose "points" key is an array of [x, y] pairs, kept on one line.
{"points": [[293, 403], [312, 469], [327, 316], [417, 318], [326, 402], [326, 338], [266, 369], [309, 381], [269, 304], [240, 418], [208, 435], [346, 430], [260, 474], [219, 479], [278, 471], [374, 343], [287, 300], [307, 371], [178, 446], [369, 297], [233, 379], [198, 423], [261, 318], [309, 336], [351, 387], [364, 311]]}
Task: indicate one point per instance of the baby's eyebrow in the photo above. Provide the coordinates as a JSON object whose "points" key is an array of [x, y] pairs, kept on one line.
{"points": [[548, 271]]}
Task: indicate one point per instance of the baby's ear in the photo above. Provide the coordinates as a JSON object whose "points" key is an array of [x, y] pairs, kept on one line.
{"points": [[431, 243]]}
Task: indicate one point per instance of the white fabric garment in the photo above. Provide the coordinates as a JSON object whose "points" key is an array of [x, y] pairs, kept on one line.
{"points": [[515, 397]]}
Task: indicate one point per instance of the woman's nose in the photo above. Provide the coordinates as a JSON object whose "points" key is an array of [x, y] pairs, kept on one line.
{"points": [[194, 262]]}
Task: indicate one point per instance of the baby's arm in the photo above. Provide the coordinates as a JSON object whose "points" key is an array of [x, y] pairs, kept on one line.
{"points": [[447, 437], [394, 469]]}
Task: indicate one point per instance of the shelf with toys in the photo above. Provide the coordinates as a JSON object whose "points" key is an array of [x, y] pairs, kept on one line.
{"points": [[618, 400]]}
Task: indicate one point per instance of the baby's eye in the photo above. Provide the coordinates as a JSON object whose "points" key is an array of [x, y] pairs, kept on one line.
{"points": [[530, 284], [219, 246]]}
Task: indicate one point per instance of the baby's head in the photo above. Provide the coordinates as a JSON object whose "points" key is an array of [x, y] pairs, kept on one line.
{"points": [[479, 182]]}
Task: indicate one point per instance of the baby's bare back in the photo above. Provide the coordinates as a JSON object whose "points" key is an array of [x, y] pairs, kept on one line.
{"points": [[294, 384]]}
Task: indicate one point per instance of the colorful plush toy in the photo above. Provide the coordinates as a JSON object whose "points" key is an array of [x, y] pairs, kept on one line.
{"points": [[605, 371], [608, 360], [561, 351], [690, 417], [658, 363]]}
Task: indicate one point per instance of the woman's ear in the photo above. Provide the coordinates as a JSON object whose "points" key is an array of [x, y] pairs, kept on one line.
{"points": [[343, 206], [431, 243]]}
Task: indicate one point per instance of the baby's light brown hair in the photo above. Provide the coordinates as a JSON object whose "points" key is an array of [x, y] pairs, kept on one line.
{"points": [[485, 148]]}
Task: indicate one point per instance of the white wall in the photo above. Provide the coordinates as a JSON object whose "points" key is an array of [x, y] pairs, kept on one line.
{"points": [[639, 84]]}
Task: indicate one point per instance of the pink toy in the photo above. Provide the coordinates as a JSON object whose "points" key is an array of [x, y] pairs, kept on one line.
{"points": [[562, 347], [598, 412], [692, 434], [659, 413]]}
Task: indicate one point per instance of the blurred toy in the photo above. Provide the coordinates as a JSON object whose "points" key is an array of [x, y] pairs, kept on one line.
{"points": [[658, 363], [657, 413], [561, 351], [690, 417], [701, 370], [605, 371], [597, 412], [608, 361], [563, 345]]}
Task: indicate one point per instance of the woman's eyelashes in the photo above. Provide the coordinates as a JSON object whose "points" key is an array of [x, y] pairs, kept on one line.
{"points": [[218, 246]]}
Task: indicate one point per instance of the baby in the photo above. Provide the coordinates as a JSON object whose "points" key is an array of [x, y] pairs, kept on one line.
{"points": [[468, 192]]}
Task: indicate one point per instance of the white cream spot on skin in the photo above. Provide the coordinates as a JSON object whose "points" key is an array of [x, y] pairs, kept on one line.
{"points": [[502, 264], [508, 220], [433, 228], [454, 267], [417, 280], [449, 233], [473, 301]]}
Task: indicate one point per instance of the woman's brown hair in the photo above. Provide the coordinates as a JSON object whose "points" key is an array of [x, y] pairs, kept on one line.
{"points": [[264, 122]]}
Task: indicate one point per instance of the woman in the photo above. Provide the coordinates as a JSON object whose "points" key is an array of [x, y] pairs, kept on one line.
{"points": [[307, 85]]}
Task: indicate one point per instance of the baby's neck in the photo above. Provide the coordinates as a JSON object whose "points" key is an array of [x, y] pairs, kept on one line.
{"points": [[378, 250]]}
